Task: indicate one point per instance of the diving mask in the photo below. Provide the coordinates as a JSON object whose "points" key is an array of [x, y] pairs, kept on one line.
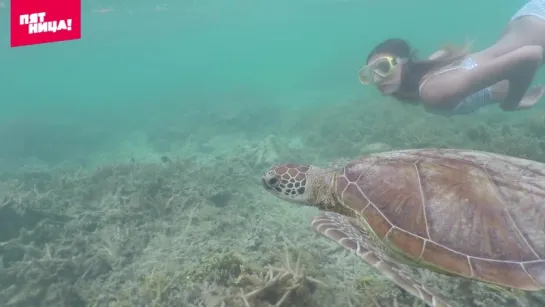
{"points": [[382, 67]]}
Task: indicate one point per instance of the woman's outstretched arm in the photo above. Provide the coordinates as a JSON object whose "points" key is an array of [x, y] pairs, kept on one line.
{"points": [[518, 67]]}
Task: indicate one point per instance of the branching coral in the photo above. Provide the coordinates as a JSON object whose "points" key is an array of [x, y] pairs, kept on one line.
{"points": [[279, 284]]}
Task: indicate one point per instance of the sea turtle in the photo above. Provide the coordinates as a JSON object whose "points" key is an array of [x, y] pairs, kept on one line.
{"points": [[466, 213]]}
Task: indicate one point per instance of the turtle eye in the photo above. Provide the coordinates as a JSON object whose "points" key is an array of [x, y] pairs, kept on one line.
{"points": [[273, 181]]}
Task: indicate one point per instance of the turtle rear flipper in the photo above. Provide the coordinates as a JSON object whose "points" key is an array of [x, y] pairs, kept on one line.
{"points": [[342, 230]]}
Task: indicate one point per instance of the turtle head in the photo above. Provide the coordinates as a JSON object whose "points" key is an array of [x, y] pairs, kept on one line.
{"points": [[304, 184]]}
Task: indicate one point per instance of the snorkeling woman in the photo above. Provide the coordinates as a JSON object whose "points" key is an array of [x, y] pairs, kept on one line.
{"points": [[452, 81]]}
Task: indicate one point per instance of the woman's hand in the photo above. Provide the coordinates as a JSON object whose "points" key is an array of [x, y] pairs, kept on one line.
{"points": [[532, 96], [527, 59]]}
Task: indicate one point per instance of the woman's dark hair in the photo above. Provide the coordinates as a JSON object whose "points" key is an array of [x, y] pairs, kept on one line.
{"points": [[414, 69]]}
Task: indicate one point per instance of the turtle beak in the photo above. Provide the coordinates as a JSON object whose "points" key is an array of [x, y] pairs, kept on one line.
{"points": [[264, 183]]}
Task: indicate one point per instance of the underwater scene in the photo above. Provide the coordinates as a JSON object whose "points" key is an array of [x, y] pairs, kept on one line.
{"points": [[251, 153]]}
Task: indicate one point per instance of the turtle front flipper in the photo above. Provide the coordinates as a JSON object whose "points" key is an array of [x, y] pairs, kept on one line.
{"points": [[344, 231]]}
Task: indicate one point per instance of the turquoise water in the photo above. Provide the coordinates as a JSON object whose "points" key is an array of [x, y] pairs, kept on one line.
{"points": [[145, 55], [235, 86], [139, 56]]}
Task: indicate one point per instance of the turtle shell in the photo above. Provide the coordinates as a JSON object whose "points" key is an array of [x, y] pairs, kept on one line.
{"points": [[474, 214]]}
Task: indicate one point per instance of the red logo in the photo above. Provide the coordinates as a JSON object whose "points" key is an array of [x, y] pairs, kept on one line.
{"points": [[44, 21]]}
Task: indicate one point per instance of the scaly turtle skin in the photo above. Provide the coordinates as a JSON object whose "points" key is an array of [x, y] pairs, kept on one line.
{"points": [[466, 213]]}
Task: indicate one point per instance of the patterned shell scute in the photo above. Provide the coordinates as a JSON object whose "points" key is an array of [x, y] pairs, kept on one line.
{"points": [[471, 213]]}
